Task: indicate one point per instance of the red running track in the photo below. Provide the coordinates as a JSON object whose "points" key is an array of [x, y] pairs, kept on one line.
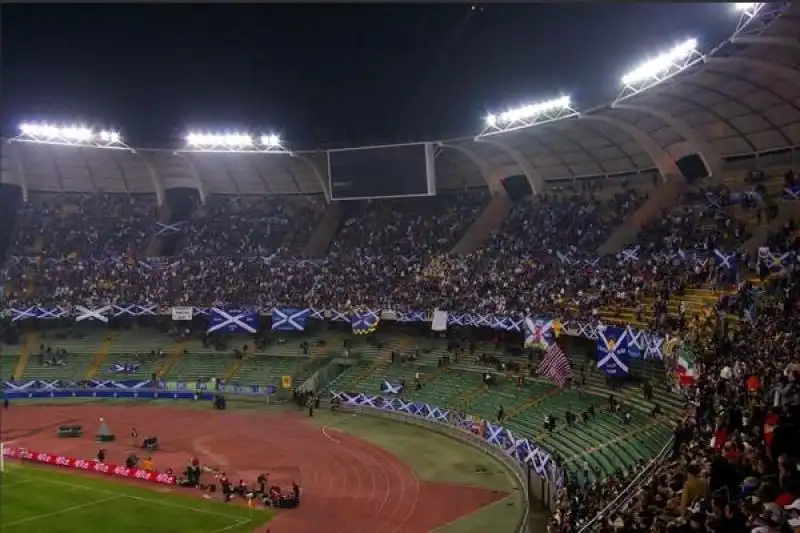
{"points": [[348, 485]]}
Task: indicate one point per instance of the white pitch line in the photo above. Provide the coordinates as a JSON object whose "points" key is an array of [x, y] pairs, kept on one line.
{"points": [[326, 427], [235, 524], [138, 498], [61, 511], [4, 486]]}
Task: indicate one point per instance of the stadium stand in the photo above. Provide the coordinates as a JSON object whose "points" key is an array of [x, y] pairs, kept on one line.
{"points": [[706, 436]]}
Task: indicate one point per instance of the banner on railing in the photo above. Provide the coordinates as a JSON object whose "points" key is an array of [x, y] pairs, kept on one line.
{"points": [[87, 465], [524, 451], [107, 388], [182, 313], [247, 321]]}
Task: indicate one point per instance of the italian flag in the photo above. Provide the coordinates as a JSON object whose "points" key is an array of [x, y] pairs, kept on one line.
{"points": [[686, 368]]}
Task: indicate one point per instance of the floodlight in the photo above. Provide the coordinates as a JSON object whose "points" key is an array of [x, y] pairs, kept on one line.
{"points": [[271, 140], [69, 135], [528, 115], [657, 66], [744, 6], [233, 142], [529, 111]]}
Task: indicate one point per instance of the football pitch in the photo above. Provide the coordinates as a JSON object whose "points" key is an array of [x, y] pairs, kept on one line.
{"points": [[40, 499]]}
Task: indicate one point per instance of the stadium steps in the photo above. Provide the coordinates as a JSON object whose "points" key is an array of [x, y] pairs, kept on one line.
{"points": [[100, 356], [490, 220], [376, 366], [167, 364], [263, 369], [234, 366], [467, 396], [666, 195], [30, 340], [326, 230], [8, 360]]}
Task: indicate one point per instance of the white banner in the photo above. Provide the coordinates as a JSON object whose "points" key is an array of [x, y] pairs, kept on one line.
{"points": [[439, 322], [182, 313]]}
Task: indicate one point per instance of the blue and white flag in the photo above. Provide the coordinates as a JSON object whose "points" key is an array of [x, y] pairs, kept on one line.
{"points": [[629, 255], [725, 260], [289, 319], [124, 368], [232, 320], [612, 350], [637, 342], [393, 386], [365, 322], [791, 193]]}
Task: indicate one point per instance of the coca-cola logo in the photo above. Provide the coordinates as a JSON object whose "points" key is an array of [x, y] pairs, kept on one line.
{"points": [[164, 478], [100, 467], [62, 461], [142, 474], [121, 471], [42, 457], [81, 464]]}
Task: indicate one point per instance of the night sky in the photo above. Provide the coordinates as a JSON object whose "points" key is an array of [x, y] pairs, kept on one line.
{"points": [[324, 75]]}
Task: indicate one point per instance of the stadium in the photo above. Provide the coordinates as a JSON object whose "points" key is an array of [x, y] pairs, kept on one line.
{"points": [[573, 320]]}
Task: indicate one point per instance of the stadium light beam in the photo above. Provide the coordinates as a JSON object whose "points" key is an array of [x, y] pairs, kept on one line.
{"points": [[72, 135], [659, 69], [528, 116], [233, 142]]}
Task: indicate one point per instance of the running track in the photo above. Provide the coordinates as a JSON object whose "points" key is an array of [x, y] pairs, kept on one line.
{"points": [[348, 485]]}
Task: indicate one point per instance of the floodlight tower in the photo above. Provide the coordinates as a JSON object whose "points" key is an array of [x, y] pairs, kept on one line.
{"points": [[659, 69], [234, 142], [528, 116], [72, 135], [756, 17]]}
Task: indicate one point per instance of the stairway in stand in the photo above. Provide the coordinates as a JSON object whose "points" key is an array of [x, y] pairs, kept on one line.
{"points": [[28, 346], [100, 357], [236, 364], [174, 354]]}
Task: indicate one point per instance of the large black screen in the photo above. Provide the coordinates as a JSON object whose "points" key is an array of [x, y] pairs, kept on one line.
{"points": [[381, 172]]}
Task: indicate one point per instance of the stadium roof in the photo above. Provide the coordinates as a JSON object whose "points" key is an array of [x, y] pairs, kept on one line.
{"points": [[743, 99]]}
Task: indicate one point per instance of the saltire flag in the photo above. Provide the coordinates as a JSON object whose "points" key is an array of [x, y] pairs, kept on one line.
{"points": [[555, 366], [725, 260], [120, 368], [289, 319], [612, 350], [393, 386], [232, 320], [365, 322]]}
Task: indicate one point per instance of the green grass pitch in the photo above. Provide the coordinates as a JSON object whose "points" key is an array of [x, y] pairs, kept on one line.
{"points": [[46, 500]]}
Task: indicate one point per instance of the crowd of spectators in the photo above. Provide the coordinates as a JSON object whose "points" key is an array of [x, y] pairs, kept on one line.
{"points": [[233, 252], [256, 226], [731, 468], [84, 225], [573, 219], [407, 227]]}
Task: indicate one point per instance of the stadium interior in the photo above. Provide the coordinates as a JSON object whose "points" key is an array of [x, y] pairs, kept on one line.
{"points": [[672, 212]]}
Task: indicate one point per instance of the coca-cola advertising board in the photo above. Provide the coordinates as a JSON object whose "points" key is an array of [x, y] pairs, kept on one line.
{"points": [[87, 465]]}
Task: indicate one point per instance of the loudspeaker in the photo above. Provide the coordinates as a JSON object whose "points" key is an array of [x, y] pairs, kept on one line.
{"points": [[693, 168]]}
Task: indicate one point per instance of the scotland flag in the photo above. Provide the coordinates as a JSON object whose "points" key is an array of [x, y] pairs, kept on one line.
{"points": [[612, 350], [365, 322], [289, 319], [232, 320], [394, 386]]}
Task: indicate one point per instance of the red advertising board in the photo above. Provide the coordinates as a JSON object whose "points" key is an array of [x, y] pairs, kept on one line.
{"points": [[87, 465]]}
